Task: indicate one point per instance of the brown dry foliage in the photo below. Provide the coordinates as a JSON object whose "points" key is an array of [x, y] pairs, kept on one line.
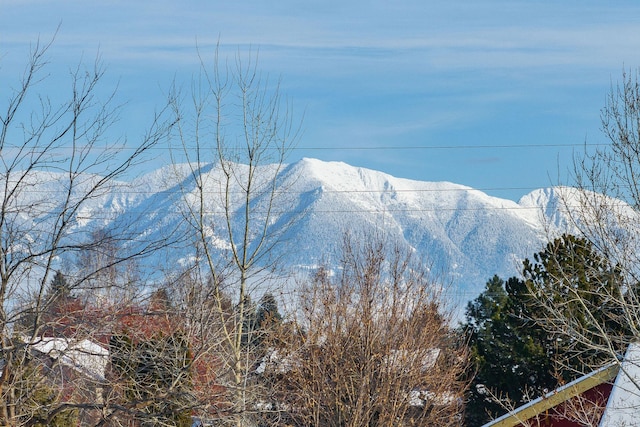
{"points": [[369, 347]]}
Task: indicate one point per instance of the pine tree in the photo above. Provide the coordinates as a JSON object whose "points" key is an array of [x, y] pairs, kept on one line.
{"points": [[248, 317], [155, 375], [571, 279], [517, 352], [511, 353], [36, 394], [59, 287], [267, 311]]}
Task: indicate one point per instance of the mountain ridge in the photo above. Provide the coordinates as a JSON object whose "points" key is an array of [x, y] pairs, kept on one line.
{"points": [[466, 234]]}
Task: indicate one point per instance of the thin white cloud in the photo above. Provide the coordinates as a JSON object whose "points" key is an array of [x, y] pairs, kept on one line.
{"points": [[346, 39], [368, 71]]}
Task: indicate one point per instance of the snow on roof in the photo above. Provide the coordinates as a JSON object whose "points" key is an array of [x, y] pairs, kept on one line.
{"points": [[400, 358], [623, 407], [84, 356]]}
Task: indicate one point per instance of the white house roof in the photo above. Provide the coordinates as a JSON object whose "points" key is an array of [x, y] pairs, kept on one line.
{"points": [[84, 356], [623, 407]]}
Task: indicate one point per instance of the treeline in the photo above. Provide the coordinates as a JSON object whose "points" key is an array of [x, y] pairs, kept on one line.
{"points": [[371, 345], [88, 338]]}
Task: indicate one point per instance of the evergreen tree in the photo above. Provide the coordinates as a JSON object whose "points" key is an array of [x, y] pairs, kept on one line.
{"points": [[267, 311], [59, 287], [46, 315], [160, 301], [36, 395], [259, 318], [248, 317], [581, 286], [517, 351], [267, 317], [512, 355], [155, 375]]}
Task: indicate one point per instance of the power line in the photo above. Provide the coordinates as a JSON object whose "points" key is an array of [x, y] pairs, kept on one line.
{"points": [[448, 147], [324, 190], [140, 212], [335, 148]]}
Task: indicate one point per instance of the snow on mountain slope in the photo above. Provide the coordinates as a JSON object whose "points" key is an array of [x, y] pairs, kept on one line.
{"points": [[464, 234]]}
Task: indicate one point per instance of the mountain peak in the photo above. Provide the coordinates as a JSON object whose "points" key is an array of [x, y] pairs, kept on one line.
{"points": [[464, 233]]}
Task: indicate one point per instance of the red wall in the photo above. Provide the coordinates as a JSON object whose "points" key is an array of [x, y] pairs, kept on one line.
{"points": [[585, 410]]}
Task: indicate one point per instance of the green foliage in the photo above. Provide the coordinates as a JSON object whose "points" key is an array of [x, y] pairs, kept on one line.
{"points": [[59, 287], [37, 399], [267, 311], [580, 295], [156, 377], [520, 330], [45, 399], [249, 321], [32, 317], [259, 319], [512, 355]]}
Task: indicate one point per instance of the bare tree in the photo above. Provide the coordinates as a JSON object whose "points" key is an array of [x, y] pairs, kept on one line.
{"points": [[234, 137], [369, 345], [48, 144], [605, 209]]}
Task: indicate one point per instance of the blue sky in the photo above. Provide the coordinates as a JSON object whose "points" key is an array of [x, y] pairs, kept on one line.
{"points": [[491, 94]]}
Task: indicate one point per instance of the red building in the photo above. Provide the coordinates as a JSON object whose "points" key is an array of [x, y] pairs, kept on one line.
{"points": [[608, 397]]}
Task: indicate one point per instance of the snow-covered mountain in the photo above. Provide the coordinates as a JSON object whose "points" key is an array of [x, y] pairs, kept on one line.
{"points": [[464, 234]]}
